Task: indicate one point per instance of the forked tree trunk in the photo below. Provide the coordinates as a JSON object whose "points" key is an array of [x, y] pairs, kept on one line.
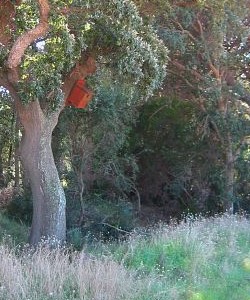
{"points": [[49, 202]]}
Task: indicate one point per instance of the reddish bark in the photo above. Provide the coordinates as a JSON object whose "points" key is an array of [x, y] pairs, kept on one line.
{"points": [[7, 12]]}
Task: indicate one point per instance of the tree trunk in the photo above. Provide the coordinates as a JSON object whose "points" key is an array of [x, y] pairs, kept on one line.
{"points": [[58, 150], [49, 221], [2, 180], [229, 175], [16, 157]]}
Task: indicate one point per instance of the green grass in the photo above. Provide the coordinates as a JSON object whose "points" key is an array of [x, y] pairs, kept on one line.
{"points": [[198, 259], [202, 259]]}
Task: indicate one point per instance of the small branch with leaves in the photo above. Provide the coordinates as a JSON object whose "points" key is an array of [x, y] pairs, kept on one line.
{"points": [[23, 41]]}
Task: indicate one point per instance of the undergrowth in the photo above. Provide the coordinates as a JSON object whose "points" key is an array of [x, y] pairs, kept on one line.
{"points": [[13, 230]]}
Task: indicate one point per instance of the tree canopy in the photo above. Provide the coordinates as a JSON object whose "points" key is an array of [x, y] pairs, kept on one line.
{"points": [[55, 35]]}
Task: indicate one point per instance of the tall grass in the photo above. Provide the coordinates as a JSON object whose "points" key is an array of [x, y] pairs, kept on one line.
{"points": [[53, 274], [201, 259]]}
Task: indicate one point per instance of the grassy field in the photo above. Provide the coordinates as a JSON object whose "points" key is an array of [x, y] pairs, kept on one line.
{"points": [[199, 259]]}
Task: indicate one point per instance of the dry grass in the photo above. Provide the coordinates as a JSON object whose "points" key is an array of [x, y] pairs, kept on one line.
{"points": [[53, 274]]}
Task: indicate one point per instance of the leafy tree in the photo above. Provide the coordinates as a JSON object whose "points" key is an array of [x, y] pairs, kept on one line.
{"points": [[209, 45], [44, 49]]}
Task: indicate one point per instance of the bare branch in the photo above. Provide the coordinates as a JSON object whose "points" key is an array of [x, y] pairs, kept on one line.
{"points": [[214, 70], [200, 28], [216, 129], [184, 78], [184, 31], [158, 110], [114, 227], [181, 67]]}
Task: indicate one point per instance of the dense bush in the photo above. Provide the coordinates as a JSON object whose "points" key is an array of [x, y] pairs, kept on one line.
{"points": [[102, 219], [12, 230], [180, 169], [20, 208]]}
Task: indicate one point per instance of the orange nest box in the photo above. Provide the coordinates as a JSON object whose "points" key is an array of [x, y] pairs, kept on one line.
{"points": [[79, 95]]}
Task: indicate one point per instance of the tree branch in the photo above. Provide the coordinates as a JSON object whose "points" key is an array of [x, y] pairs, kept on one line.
{"points": [[181, 67], [200, 28], [6, 84], [184, 31], [214, 70], [186, 4], [114, 227], [184, 78], [28, 37]]}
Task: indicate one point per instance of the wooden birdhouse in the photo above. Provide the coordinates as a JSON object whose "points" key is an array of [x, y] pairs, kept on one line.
{"points": [[80, 95]]}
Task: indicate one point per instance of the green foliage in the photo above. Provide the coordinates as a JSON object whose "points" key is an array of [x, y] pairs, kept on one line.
{"points": [[242, 179], [57, 55], [208, 50], [20, 208], [100, 169], [98, 172], [113, 32], [139, 52], [12, 229], [180, 168], [3, 55], [103, 220], [7, 137], [5, 115], [166, 118]]}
